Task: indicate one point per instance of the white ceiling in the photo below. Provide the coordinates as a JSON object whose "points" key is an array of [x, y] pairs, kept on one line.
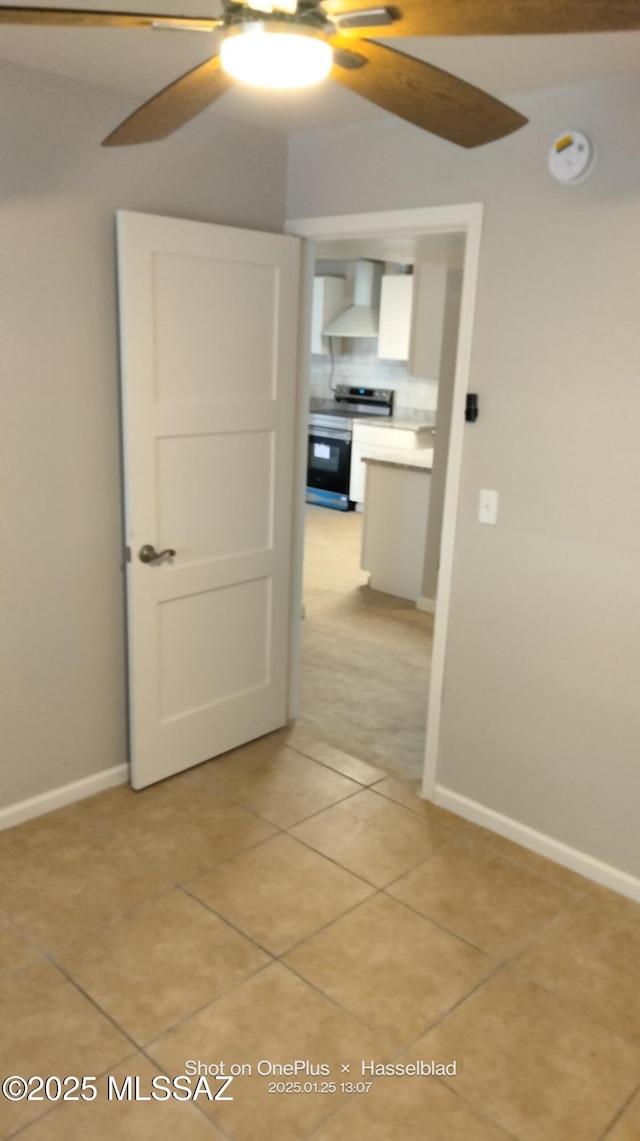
{"points": [[142, 61]]}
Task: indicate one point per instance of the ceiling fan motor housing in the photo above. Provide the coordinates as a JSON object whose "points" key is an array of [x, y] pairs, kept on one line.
{"points": [[276, 53]]}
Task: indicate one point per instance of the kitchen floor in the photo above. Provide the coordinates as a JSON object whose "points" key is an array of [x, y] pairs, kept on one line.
{"points": [[365, 655], [288, 904]]}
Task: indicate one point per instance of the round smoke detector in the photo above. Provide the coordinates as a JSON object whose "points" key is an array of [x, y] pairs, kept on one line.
{"points": [[571, 158]]}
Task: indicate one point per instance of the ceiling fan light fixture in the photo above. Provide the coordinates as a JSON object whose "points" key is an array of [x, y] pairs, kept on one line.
{"points": [[274, 54]]}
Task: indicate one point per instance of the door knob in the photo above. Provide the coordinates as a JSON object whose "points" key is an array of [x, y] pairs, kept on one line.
{"points": [[148, 554]]}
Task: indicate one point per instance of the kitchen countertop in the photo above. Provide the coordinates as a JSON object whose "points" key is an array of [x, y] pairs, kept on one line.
{"points": [[405, 422], [417, 459]]}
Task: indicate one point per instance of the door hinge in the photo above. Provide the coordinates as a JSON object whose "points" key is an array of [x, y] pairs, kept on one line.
{"points": [[127, 554]]}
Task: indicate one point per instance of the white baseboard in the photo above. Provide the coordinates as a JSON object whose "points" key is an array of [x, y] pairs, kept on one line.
{"points": [[60, 797], [427, 604], [539, 842]]}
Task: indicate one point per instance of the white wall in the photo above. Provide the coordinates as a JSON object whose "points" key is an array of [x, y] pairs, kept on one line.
{"points": [[542, 709], [63, 715]]}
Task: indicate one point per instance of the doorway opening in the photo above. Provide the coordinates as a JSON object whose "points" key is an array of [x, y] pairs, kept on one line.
{"points": [[366, 654], [384, 378]]}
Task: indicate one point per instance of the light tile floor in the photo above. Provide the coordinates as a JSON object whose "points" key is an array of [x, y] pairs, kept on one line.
{"points": [[289, 902], [366, 656]]}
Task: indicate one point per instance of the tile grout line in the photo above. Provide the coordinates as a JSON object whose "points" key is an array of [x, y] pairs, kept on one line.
{"points": [[278, 956], [50, 952], [30, 940], [460, 837], [623, 1108], [286, 829], [577, 892], [509, 1136], [290, 827], [228, 922], [373, 760], [448, 841], [439, 847], [330, 859], [297, 748], [142, 1047], [171, 885], [146, 1046], [217, 794], [546, 928], [507, 959], [327, 807], [51, 1108], [405, 1049], [342, 1107], [210, 1120], [296, 840], [99, 1008], [229, 859], [446, 930], [330, 922], [103, 826], [294, 824], [452, 841], [343, 1010], [281, 956], [581, 1011], [454, 1006]]}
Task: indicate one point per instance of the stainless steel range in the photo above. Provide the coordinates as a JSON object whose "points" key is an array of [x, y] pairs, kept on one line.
{"points": [[330, 434]]}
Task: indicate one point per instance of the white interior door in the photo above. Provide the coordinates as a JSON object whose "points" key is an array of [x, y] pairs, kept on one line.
{"points": [[209, 327]]}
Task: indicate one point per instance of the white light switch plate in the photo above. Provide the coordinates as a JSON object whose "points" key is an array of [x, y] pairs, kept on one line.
{"points": [[488, 512]]}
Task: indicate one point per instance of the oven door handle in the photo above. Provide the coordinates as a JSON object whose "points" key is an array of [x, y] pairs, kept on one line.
{"points": [[321, 434]]}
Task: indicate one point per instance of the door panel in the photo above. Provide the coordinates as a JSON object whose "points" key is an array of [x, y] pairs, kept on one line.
{"points": [[219, 524], [196, 296], [209, 325], [192, 630]]}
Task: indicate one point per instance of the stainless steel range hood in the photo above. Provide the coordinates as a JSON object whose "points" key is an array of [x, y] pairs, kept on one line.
{"points": [[362, 317]]}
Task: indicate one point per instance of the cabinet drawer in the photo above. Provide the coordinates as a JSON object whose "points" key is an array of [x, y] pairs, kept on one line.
{"points": [[387, 437]]}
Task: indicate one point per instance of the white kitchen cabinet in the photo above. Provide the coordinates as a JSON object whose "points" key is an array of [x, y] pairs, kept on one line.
{"points": [[395, 522], [394, 330], [427, 321], [385, 437], [329, 301], [412, 311]]}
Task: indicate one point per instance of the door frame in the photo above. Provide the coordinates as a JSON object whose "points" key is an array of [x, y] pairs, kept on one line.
{"points": [[467, 219]]}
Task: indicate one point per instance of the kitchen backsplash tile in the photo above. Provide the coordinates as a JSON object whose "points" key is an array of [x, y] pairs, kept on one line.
{"points": [[362, 367]]}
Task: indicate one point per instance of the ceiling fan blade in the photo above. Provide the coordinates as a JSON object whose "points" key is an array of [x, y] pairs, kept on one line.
{"points": [[426, 96], [76, 17], [347, 59], [174, 106], [494, 17]]}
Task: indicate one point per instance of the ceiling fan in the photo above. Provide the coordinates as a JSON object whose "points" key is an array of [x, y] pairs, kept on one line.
{"points": [[291, 43]]}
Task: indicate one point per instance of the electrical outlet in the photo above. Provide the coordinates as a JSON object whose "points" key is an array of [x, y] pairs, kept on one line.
{"points": [[488, 512]]}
